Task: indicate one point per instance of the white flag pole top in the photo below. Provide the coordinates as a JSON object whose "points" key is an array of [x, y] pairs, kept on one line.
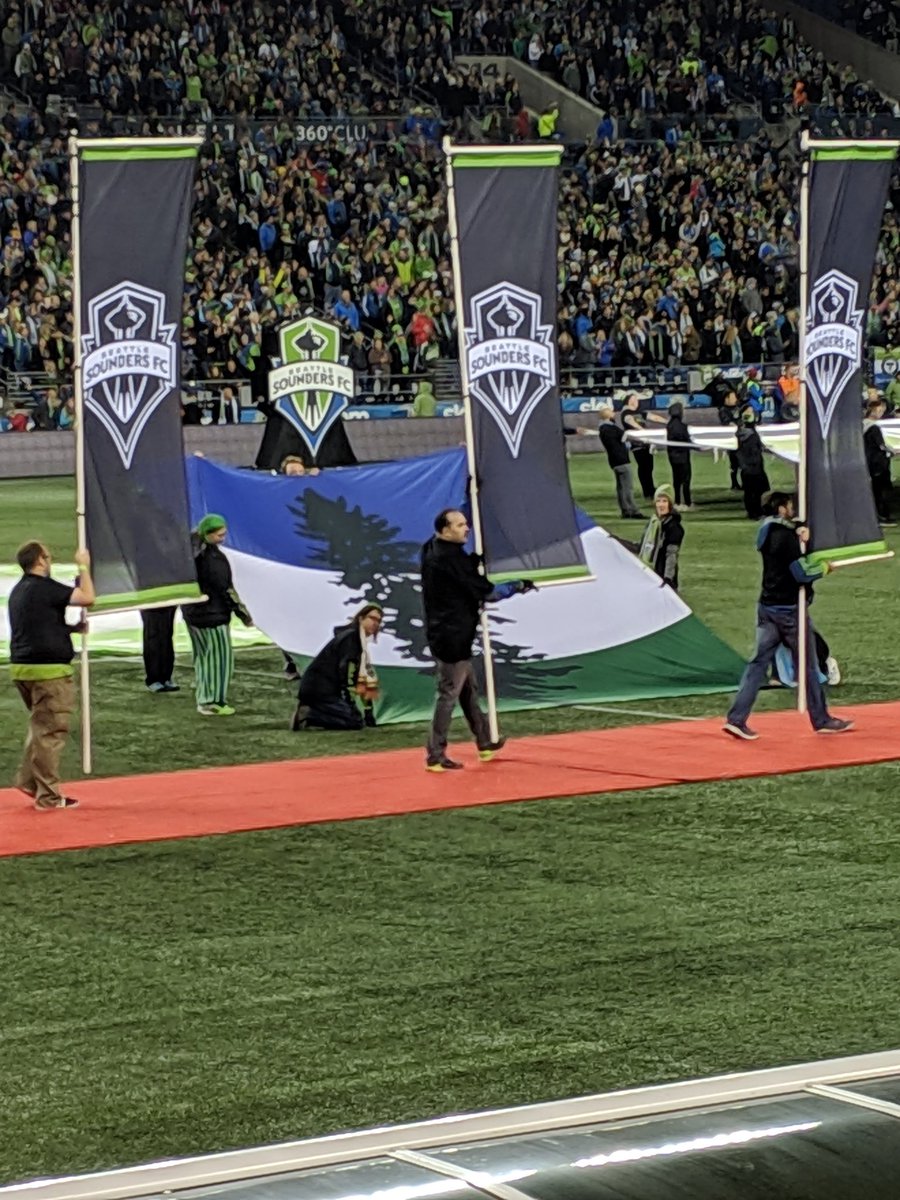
{"points": [[78, 391]]}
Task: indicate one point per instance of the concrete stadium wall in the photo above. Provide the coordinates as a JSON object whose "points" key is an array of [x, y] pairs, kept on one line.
{"points": [[577, 118], [23, 455], [50, 453], [870, 62]]}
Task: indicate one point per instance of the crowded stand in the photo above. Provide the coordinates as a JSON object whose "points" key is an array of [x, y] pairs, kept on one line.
{"points": [[674, 249]]}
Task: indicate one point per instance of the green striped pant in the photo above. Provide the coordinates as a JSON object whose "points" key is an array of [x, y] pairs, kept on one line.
{"points": [[213, 663]]}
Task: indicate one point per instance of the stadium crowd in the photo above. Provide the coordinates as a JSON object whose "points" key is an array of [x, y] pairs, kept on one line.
{"points": [[672, 249]]}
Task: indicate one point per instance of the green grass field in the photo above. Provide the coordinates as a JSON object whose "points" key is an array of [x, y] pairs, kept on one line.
{"points": [[192, 996]]}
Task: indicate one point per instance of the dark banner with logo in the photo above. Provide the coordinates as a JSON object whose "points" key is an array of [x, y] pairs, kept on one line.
{"points": [[309, 389], [505, 213], [132, 218], [847, 189]]}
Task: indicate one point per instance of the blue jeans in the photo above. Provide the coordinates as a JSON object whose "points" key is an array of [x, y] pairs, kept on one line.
{"points": [[778, 627]]}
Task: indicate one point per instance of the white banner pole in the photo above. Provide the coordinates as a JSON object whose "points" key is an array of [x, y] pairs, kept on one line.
{"points": [[490, 688], [80, 516], [802, 605]]}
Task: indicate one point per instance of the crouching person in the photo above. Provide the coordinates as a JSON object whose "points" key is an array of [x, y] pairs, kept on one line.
{"points": [[339, 687]]}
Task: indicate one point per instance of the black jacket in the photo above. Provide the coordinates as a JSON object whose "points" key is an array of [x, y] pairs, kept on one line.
{"points": [[214, 578], [878, 457], [332, 674], [677, 431], [665, 561], [750, 451], [453, 591], [783, 565], [613, 440]]}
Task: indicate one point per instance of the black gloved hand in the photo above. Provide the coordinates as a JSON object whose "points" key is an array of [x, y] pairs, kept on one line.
{"points": [[527, 585]]}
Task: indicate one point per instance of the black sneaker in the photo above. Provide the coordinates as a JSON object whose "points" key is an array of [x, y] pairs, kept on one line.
{"points": [[443, 764], [835, 725], [291, 673], [486, 753], [740, 729], [171, 686]]}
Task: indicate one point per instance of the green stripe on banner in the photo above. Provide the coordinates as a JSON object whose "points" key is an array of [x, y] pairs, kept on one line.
{"points": [[136, 153], [514, 158], [858, 153], [175, 592], [837, 553], [545, 573]]}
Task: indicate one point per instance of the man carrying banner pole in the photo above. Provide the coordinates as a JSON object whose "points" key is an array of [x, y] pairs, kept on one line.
{"points": [[502, 217], [843, 192], [131, 207]]}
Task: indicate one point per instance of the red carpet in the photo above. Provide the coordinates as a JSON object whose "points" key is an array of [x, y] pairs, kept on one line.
{"points": [[181, 804]]}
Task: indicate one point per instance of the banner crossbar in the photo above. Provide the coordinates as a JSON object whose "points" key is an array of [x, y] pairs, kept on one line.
{"points": [[137, 143]]}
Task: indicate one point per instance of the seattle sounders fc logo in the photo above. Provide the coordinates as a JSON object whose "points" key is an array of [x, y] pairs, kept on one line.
{"points": [[510, 358], [311, 388], [128, 366], [833, 346]]}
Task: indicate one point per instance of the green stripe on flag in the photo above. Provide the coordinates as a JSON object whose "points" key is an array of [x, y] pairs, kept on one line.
{"points": [[854, 152], [138, 153], [838, 553], [512, 158], [545, 573], [176, 593]]}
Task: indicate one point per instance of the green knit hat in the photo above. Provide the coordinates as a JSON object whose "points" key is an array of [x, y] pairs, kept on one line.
{"points": [[210, 523], [665, 489]]}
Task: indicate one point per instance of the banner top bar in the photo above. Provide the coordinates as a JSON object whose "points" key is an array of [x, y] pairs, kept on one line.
{"points": [[134, 143], [808, 143], [511, 150]]}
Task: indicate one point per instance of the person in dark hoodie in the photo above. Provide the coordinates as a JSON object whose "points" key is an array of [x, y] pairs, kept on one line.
{"points": [[341, 678], [878, 460], [679, 458], [209, 622], [661, 544], [612, 438], [454, 591], [754, 480], [785, 569]]}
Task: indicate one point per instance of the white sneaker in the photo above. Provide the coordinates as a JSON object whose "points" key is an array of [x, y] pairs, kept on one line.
{"points": [[834, 671]]}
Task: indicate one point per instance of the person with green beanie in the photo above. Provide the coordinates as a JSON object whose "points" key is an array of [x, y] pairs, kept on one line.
{"points": [[209, 622], [663, 537]]}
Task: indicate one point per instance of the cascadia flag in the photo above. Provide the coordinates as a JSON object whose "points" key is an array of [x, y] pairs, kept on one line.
{"points": [[308, 552]]}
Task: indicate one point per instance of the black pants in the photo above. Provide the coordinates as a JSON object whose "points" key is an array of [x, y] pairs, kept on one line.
{"points": [[733, 468], [681, 481], [755, 487], [159, 646], [643, 460], [881, 490], [339, 714]]}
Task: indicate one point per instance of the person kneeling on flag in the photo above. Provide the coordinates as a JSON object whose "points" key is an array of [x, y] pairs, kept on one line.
{"points": [[209, 623], [453, 592], [341, 670]]}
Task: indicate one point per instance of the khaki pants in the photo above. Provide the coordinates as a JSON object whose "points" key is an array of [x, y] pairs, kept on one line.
{"points": [[51, 703]]}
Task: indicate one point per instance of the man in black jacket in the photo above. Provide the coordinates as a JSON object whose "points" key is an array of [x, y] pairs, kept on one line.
{"points": [[754, 480], [453, 592], [785, 569], [612, 437]]}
